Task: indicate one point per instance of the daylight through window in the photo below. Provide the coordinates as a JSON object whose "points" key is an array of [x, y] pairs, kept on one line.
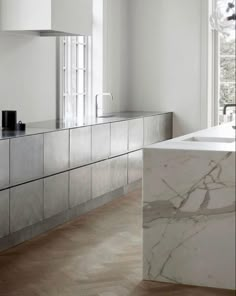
{"points": [[75, 76]]}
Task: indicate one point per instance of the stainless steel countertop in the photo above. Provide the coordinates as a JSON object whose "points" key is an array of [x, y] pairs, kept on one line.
{"points": [[56, 125]]}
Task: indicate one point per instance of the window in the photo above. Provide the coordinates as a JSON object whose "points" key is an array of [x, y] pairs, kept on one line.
{"points": [[225, 72], [75, 77]]}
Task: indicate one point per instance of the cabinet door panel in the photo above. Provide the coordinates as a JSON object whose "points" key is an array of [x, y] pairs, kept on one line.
{"points": [[135, 166], [56, 192], [118, 172], [26, 159], [4, 163], [80, 186], [26, 205], [100, 142], [135, 134], [4, 213], [101, 178], [150, 130], [119, 138], [165, 127], [56, 152], [80, 146]]}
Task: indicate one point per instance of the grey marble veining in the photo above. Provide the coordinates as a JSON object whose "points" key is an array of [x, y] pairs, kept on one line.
{"points": [[189, 216]]}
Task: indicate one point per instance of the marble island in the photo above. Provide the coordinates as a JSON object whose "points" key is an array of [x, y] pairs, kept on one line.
{"points": [[189, 209]]}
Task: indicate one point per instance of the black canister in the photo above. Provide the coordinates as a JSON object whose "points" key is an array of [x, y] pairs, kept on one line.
{"points": [[9, 119]]}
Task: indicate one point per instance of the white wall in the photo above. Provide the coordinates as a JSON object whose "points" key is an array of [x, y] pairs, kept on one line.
{"points": [[28, 76], [164, 68], [115, 58]]}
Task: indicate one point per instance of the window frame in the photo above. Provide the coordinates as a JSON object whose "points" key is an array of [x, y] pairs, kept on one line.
{"points": [[61, 77], [216, 76]]}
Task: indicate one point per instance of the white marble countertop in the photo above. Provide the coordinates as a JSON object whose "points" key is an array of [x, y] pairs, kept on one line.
{"points": [[209, 140]]}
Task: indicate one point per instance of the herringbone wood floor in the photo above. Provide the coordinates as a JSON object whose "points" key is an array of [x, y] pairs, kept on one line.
{"points": [[98, 254]]}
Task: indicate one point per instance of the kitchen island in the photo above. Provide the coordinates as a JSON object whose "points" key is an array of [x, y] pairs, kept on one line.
{"points": [[189, 209], [57, 170]]}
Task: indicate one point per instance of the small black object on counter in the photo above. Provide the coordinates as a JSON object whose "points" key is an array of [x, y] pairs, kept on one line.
{"points": [[9, 119], [20, 126]]}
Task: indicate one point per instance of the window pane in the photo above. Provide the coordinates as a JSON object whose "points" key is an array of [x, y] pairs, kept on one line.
{"points": [[81, 56], [227, 94], [227, 46], [81, 88], [80, 106], [81, 39], [65, 84], [227, 69], [74, 80], [70, 108]]}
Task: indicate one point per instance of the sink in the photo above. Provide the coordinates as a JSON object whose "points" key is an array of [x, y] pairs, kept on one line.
{"points": [[106, 116], [210, 140]]}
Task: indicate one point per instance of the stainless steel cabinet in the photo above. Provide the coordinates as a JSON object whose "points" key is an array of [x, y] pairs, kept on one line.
{"points": [[56, 191], [119, 138], [101, 178], [118, 167], [100, 142], [165, 127], [26, 205], [135, 134], [80, 186], [26, 159], [80, 146], [4, 163], [135, 166], [56, 152], [157, 128], [151, 130], [4, 213]]}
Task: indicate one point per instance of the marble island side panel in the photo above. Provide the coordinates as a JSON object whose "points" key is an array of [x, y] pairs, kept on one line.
{"points": [[189, 217]]}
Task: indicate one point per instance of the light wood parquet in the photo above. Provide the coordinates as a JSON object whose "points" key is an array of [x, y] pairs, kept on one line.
{"points": [[98, 254]]}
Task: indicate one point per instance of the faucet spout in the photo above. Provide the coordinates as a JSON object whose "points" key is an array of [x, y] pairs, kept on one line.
{"points": [[228, 106], [225, 109]]}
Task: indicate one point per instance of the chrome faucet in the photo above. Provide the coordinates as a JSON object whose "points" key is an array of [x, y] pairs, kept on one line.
{"points": [[96, 100], [228, 106], [225, 109]]}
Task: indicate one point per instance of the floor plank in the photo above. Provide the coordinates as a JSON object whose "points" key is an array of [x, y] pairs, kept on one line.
{"points": [[98, 254]]}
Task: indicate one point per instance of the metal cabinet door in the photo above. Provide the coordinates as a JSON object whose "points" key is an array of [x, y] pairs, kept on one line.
{"points": [[101, 178], [4, 163], [80, 146], [157, 128], [119, 171], [100, 142], [56, 152], [119, 138], [135, 166], [4, 213], [26, 159], [165, 127], [26, 205], [135, 134], [150, 130], [80, 186], [56, 191]]}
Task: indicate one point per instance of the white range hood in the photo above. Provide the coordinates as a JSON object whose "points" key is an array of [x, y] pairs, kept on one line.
{"points": [[47, 17]]}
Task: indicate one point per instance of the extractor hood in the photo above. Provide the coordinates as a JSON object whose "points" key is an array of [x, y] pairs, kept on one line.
{"points": [[47, 17]]}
